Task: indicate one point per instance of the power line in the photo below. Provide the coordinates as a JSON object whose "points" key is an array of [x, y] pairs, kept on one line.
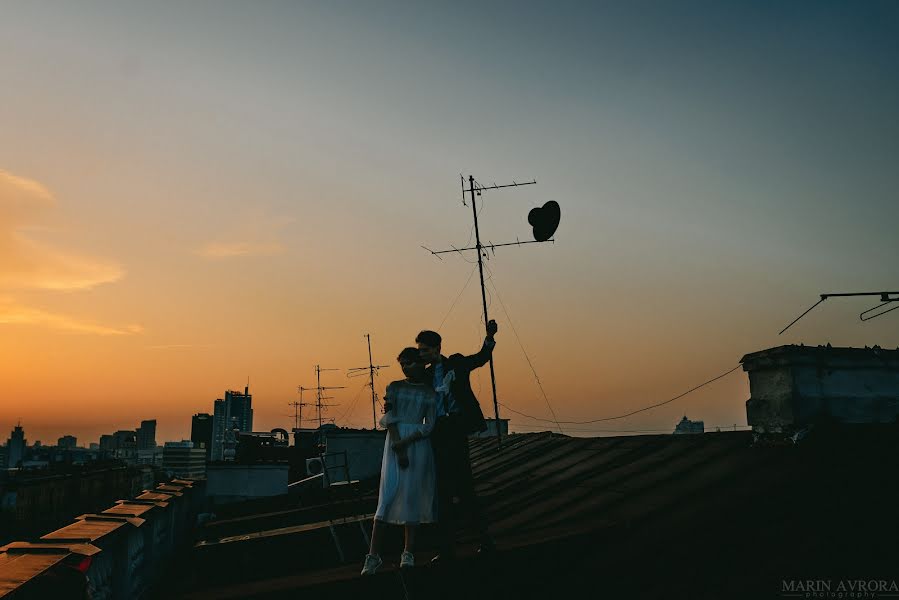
{"points": [[693, 389], [453, 305], [731, 427], [352, 405], [531, 426], [521, 345]]}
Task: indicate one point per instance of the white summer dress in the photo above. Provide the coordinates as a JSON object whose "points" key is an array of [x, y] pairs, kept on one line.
{"points": [[408, 496]]}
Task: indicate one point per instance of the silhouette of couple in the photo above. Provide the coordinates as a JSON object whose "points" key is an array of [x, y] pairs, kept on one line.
{"points": [[428, 416]]}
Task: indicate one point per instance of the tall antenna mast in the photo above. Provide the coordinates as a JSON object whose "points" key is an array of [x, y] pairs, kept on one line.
{"points": [[372, 369], [544, 220], [298, 409], [319, 389]]}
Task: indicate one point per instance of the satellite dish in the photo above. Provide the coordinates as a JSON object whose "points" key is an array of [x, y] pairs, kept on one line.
{"points": [[545, 220]]}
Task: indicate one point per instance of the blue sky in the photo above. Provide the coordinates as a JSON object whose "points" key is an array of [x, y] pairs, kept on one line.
{"points": [[243, 188]]}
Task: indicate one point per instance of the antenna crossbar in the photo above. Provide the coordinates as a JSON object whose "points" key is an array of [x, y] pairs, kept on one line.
{"points": [[490, 246], [480, 188]]}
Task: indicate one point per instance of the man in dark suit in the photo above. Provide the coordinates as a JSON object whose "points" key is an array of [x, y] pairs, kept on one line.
{"points": [[458, 416]]}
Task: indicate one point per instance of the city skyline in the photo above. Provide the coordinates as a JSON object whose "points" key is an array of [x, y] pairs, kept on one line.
{"points": [[250, 198]]}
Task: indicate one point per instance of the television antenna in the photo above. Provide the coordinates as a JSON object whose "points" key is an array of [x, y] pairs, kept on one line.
{"points": [[318, 389], [544, 220], [865, 315], [372, 369], [298, 408]]}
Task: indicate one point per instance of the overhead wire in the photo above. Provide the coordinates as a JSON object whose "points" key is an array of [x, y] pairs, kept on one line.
{"points": [[670, 400], [731, 427], [453, 305], [352, 405], [523, 351]]}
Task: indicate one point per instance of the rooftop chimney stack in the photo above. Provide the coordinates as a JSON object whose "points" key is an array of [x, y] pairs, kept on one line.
{"points": [[792, 387]]}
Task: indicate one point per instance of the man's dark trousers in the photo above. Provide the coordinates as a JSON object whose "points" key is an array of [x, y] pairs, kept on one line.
{"points": [[454, 478]]}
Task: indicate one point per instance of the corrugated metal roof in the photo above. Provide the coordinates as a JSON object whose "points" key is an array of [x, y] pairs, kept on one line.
{"points": [[661, 516]]}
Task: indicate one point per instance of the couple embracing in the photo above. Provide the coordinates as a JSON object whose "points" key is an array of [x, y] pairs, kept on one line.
{"points": [[428, 416]]}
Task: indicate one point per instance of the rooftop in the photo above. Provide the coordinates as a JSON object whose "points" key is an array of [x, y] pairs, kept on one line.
{"points": [[656, 516]]}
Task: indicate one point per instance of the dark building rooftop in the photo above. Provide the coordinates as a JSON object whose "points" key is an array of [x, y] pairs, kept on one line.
{"points": [[700, 516]]}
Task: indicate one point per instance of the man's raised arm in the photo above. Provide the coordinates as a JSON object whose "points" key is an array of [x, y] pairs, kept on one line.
{"points": [[480, 359]]}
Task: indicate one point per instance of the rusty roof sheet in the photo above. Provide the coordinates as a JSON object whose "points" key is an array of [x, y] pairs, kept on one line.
{"points": [[84, 531], [130, 510], [17, 569], [155, 496], [136, 521]]}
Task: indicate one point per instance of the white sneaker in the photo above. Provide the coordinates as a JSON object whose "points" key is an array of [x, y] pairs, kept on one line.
{"points": [[407, 560], [372, 562]]}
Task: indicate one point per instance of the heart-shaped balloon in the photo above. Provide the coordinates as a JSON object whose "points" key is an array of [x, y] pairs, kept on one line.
{"points": [[545, 220]]}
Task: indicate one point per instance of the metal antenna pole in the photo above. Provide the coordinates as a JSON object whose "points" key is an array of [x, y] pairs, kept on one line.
{"points": [[301, 406], [371, 373], [372, 369], [296, 419], [318, 393], [298, 408], [544, 236], [477, 238]]}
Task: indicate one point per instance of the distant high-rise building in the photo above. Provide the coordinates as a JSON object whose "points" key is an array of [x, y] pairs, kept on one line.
{"points": [[219, 425], [122, 445], [236, 410], [107, 445], [67, 442], [241, 408], [15, 447], [201, 432], [150, 456], [146, 435], [125, 439], [182, 459]]}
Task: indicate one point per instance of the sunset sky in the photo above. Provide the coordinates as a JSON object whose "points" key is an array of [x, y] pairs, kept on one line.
{"points": [[192, 194]]}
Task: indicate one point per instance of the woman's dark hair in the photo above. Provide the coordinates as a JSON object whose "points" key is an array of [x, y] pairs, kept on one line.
{"points": [[409, 355]]}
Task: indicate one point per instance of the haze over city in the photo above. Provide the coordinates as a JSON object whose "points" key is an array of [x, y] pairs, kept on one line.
{"points": [[194, 195]]}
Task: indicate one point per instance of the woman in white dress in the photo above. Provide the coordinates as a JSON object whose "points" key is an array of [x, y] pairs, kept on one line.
{"points": [[408, 486]]}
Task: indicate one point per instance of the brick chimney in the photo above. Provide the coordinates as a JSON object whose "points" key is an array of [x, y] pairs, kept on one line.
{"points": [[791, 387]]}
